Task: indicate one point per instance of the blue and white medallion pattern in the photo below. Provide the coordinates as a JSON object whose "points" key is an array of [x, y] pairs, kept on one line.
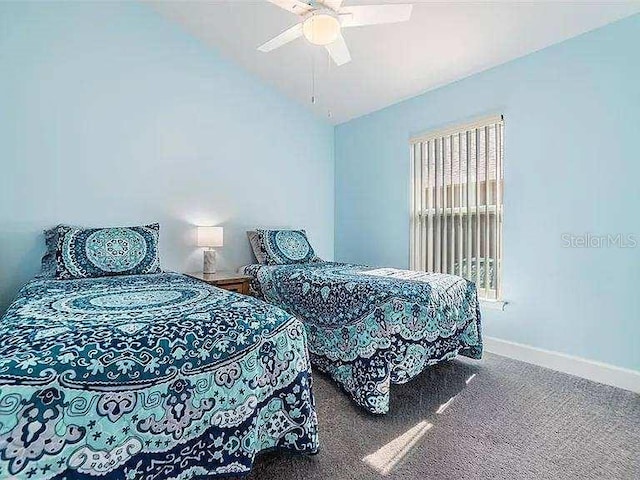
{"points": [[281, 247], [369, 328], [149, 377], [293, 244], [97, 252], [116, 249]]}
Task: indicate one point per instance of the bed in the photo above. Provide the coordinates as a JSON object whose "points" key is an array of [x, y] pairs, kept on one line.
{"points": [[370, 327], [154, 377]]}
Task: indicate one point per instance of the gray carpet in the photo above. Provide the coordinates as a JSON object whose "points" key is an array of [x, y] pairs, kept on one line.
{"points": [[511, 420]]}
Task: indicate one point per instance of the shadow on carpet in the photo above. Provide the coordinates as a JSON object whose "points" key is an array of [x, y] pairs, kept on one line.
{"points": [[494, 418]]}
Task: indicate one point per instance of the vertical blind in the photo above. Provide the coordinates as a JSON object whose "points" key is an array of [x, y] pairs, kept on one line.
{"points": [[456, 203]]}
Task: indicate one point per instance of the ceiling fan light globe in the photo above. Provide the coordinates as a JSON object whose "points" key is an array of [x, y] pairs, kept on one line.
{"points": [[321, 29]]}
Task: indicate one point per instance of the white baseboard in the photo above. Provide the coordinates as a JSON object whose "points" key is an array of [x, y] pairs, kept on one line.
{"points": [[580, 367]]}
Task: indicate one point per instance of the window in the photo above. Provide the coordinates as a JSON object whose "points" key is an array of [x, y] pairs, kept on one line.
{"points": [[456, 203]]}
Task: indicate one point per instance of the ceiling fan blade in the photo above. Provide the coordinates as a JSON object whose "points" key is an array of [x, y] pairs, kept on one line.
{"points": [[332, 4], [294, 6], [285, 37], [374, 14], [339, 51]]}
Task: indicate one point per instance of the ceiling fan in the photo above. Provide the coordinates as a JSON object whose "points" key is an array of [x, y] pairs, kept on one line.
{"points": [[321, 22]]}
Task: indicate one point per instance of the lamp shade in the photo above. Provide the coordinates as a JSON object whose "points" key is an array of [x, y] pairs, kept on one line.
{"points": [[210, 236]]}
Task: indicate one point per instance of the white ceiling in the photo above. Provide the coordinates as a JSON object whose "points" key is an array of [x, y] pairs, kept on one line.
{"points": [[443, 42]]}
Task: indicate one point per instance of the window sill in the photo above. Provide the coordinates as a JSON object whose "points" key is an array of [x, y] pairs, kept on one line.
{"points": [[493, 304]]}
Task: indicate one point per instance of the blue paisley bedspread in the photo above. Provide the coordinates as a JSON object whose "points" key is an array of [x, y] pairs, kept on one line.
{"points": [[150, 377], [369, 328]]}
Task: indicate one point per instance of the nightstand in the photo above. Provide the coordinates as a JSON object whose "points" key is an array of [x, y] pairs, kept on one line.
{"points": [[232, 281]]}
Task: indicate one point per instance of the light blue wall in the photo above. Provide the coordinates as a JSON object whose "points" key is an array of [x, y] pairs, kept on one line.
{"points": [[572, 165], [110, 115]]}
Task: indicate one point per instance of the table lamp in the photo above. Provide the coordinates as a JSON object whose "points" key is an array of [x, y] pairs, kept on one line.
{"points": [[210, 237]]}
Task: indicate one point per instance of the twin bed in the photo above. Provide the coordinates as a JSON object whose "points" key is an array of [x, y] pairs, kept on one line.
{"points": [[369, 328], [149, 377], [112, 369]]}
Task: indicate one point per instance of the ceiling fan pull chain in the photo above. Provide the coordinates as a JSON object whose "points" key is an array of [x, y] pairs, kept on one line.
{"points": [[313, 78]]}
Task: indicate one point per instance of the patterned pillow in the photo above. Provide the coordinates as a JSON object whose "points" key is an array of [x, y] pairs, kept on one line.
{"points": [[48, 269], [256, 246], [281, 247], [99, 252]]}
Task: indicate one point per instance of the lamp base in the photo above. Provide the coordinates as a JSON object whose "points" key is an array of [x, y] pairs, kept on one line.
{"points": [[209, 261]]}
